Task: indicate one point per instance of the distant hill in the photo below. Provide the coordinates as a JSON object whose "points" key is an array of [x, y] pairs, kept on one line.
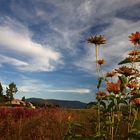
{"points": [[61, 103]]}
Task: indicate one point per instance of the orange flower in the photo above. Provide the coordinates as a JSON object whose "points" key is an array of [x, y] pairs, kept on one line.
{"points": [[126, 71], [133, 84], [101, 61], [111, 74], [113, 87], [130, 59], [97, 40], [134, 92], [135, 38], [134, 52], [100, 95], [136, 101]]}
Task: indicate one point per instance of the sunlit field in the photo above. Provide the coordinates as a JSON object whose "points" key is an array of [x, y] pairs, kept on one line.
{"points": [[43, 124], [49, 124]]}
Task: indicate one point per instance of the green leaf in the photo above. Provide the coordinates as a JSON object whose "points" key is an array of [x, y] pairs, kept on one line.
{"points": [[123, 80], [134, 134], [115, 101], [99, 82], [108, 123], [77, 124], [103, 104], [127, 61], [137, 123], [123, 101], [132, 78], [110, 106]]}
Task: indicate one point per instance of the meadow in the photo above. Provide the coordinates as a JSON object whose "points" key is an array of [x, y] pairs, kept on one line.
{"points": [[43, 124], [50, 124]]}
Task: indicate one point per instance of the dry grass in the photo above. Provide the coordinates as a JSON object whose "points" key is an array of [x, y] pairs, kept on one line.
{"points": [[46, 124], [41, 124]]}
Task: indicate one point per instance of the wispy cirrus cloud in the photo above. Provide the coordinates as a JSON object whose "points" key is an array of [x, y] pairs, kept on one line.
{"points": [[52, 33], [115, 48], [79, 19], [19, 42], [11, 60], [35, 86], [70, 22]]}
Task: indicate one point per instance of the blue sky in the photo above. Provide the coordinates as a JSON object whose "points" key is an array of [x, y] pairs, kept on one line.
{"points": [[43, 46]]}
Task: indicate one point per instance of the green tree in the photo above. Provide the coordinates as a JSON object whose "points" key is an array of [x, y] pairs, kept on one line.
{"points": [[23, 98], [10, 90], [1, 90], [1, 93]]}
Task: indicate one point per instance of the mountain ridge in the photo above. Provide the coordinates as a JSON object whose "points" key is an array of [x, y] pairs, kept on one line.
{"points": [[61, 103]]}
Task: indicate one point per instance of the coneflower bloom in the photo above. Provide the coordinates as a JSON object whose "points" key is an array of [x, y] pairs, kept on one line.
{"points": [[135, 38], [101, 61], [126, 71], [134, 92], [113, 87], [136, 101], [111, 74], [131, 58], [97, 39], [134, 53], [100, 95], [133, 84]]}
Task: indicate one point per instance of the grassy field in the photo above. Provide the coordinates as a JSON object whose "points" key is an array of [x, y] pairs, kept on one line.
{"points": [[42, 124], [47, 124]]}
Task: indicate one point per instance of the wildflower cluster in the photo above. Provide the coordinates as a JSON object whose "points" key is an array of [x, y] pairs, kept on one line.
{"points": [[118, 101], [121, 96]]}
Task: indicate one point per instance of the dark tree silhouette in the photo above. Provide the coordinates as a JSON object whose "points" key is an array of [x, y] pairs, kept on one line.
{"points": [[1, 90], [10, 90], [23, 98]]}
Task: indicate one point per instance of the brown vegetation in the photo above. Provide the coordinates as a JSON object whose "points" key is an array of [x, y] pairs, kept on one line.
{"points": [[43, 124]]}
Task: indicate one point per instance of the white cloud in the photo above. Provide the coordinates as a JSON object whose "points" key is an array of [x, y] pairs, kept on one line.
{"points": [[74, 18], [38, 90], [19, 42], [28, 85], [113, 51], [74, 90], [13, 61], [63, 24]]}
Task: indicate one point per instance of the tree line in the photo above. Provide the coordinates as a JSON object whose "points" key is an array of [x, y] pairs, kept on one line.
{"points": [[9, 93]]}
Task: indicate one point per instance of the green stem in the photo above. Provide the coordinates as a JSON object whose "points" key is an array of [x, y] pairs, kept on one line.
{"points": [[129, 118], [112, 129], [96, 53], [110, 120], [99, 125], [118, 119], [135, 118]]}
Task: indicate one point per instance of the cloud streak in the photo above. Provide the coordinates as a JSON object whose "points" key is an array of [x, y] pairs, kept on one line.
{"points": [[36, 86], [77, 90], [38, 57], [13, 61]]}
